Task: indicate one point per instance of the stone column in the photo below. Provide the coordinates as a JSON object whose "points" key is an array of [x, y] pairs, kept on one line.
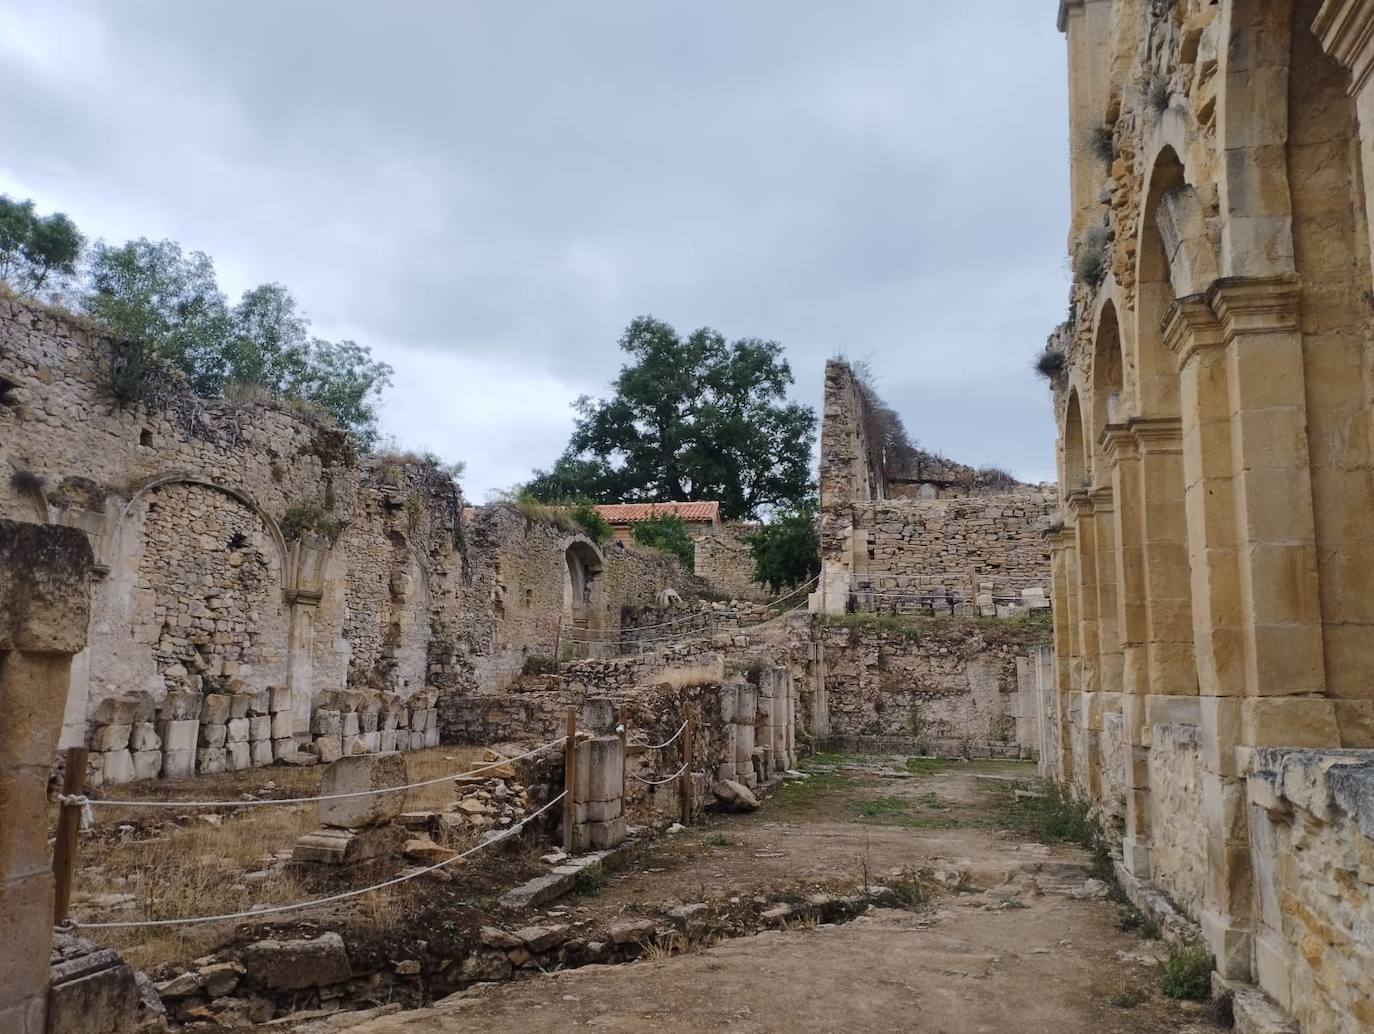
{"points": [[602, 793], [44, 607], [1062, 547], [1087, 770], [728, 701], [304, 590], [746, 700], [1087, 25], [820, 700], [764, 747]]}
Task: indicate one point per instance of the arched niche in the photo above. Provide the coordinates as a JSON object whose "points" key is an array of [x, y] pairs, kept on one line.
{"points": [[1156, 371], [583, 597], [1108, 372], [1075, 453]]}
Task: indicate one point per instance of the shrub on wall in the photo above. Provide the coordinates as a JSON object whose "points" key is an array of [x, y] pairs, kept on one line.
{"points": [[669, 533]]}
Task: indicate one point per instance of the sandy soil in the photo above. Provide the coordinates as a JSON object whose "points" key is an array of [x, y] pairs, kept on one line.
{"points": [[970, 963]]}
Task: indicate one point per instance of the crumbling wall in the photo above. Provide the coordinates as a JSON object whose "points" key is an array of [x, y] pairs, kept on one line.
{"points": [[723, 559], [1312, 840]]}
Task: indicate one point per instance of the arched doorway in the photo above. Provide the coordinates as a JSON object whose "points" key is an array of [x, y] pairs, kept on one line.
{"points": [[584, 600]]}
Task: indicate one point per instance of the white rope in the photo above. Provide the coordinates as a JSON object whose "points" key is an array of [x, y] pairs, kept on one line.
{"points": [[668, 742], [274, 909], [326, 797], [660, 782]]}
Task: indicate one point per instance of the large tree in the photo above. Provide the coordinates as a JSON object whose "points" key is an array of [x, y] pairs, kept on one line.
{"points": [[698, 418], [155, 294]]}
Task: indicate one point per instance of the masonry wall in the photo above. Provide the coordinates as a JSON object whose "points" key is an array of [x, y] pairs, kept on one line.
{"points": [[723, 560], [261, 589]]}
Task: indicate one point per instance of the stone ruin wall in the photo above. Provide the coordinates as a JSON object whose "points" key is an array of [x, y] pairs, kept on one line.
{"points": [[884, 543], [723, 559], [220, 636]]}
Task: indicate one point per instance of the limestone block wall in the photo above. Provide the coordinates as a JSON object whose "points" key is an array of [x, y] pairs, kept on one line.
{"points": [[950, 686], [1313, 842], [1178, 854], [916, 545], [723, 560]]}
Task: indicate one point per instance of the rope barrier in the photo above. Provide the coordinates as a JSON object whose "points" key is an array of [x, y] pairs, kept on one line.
{"points": [[345, 895], [659, 746], [322, 797], [660, 782]]}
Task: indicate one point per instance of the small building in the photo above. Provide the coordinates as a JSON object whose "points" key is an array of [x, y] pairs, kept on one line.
{"points": [[702, 518]]}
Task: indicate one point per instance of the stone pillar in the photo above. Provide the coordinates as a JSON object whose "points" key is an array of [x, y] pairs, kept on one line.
{"points": [[1119, 447], [1062, 548], [1087, 25], [746, 701], [764, 747], [44, 607], [304, 590], [728, 701], [600, 813], [1087, 765], [789, 720], [820, 700]]}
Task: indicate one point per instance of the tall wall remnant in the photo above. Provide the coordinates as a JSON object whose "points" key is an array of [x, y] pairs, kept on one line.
{"points": [[1214, 629], [898, 524]]}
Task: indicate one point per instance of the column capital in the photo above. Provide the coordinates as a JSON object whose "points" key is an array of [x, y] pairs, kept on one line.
{"points": [[1346, 31], [1157, 434], [1102, 499], [1190, 326], [1079, 503], [1256, 304], [1117, 442], [1061, 537]]}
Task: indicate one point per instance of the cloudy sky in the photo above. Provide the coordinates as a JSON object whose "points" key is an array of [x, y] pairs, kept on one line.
{"points": [[487, 193]]}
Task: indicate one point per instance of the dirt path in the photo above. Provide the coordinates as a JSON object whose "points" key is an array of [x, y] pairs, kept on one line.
{"points": [[1007, 943]]}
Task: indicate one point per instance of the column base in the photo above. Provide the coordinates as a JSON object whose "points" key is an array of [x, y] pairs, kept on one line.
{"points": [[1230, 945], [1135, 856]]}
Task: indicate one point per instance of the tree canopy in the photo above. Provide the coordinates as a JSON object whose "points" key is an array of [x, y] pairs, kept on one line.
{"points": [[690, 419], [169, 303], [36, 252], [787, 550], [669, 533]]}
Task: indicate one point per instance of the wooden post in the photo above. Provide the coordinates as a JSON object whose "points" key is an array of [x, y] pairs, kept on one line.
{"points": [[68, 834], [685, 780], [570, 781]]}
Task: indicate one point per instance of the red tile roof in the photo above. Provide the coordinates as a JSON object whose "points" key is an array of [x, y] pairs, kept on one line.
{"points": [[628, 513]]}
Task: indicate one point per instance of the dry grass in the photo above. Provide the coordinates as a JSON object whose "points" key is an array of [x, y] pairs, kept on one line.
{"points": [[176, 863]]}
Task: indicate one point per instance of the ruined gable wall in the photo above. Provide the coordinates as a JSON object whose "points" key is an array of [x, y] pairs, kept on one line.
{"points": [[724, 560]]}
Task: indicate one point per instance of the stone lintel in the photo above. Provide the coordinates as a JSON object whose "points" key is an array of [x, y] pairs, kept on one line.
{"points": [[1157, 434], [1346, 31], [1102, 499]]}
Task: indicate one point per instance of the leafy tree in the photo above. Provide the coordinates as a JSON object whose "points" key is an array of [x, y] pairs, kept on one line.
{"points": [[787, 550], [670, 533], [171, 302], [698, 418], [36, 251]]}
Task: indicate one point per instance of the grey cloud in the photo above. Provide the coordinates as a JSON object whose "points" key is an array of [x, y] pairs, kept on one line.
{"points": [[519, 180]]}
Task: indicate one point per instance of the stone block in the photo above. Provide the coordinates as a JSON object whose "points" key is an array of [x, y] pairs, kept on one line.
{"points": [[350, 725], [417, 740], [334, 846], [180, 735], [431, 737], [239, 704], [144, 737], [213, 735], [260, 703], [354, 745], [431, 719], [210, 760], [327, 723], [236, 731], [147, 764], [605, 769], [94, 993], [111, 737], [178, 764], [215, 709], [238, 756], [328, 748], [118, 767], [602, 835], [348, 700], [369, 717], [283, 725], [417, 720], [260, 727], [180, 706], [603, 811], [279, 699], [291, 965], [261, 752], [372, 741], [284, 748], [387, 740]]}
